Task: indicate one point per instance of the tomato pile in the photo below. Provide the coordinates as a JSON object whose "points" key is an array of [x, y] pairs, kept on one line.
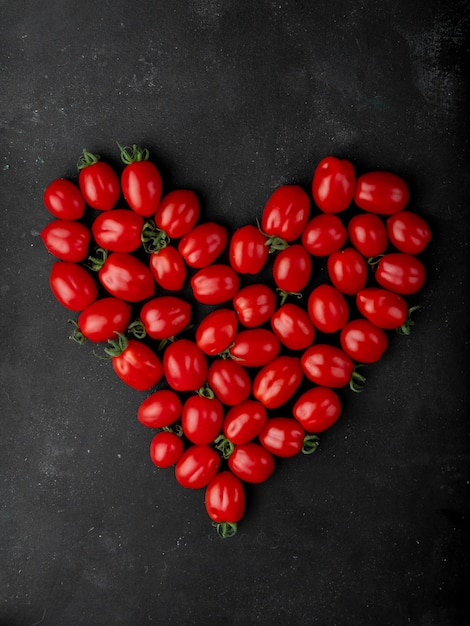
{"points": [[259, 375]]}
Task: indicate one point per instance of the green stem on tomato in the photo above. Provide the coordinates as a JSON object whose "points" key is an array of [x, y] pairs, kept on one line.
{"points": [[117, 346], [133, 154], [310, 444], [225, 529], [405, 328], [285, 294], [356, 382], [273, 242], [224, 445], [87, 159], [206, 392], [95, 263], [137, 329], [153, 238], [77, 334]]}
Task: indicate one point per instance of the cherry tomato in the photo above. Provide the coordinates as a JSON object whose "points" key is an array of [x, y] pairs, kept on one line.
{"points": [[166, 449], [292, 269], [184, 366], [202, 419], [165, 316], [135, 363], [251, 463], [118, 231], [125, 276], [248, 251], [162, 408], [229, 381], [333, 184], [381, 192], [168, 268], [324, 234], [327, 365], [363, 341], [102, 319], [98, 182], [255, 347], [72, 285], [400, 272], [347, 271], [244, 421], [225, 502], [282, 436], [408, 232], [382, 307], [317, 409], [178, 213], [64, 199], [197, 466], [203, 244], [327, 308], [254, 305], [215, 284], [293, 327], [67, 240], [368, 234], [277, 381], [286, 213], [141, 181], [217, 331]]}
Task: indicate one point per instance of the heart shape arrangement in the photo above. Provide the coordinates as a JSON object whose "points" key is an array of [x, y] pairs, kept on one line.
{"points": [[258, 376]]}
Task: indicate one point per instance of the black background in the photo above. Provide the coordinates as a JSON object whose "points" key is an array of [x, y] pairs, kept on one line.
{"points": [[233, 98]]}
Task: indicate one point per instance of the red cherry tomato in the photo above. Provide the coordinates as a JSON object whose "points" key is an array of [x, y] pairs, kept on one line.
{"points": [[286, 213], [162, 408], [165, 316], [327, 308], [166, 449], [203, 244], [141, 181], [118, 230], [197, 466], [67, 240], [178, 213], [248, 251], [202, 419], [347, 271], [254, 305], [408, 232], [125, 276], [368, 234], [72, 285], [217, 331], [381, 192], [317, 409], [255, 347], [277, 381], [215, 284], [327, 366], [184, 366], [282, 436], [400, 272], [251, 463], [382, 307], [64, 200], [293, 327], [324, 234], [363, 341], [168, 268], [333, 184], [225, 501], [229, 381], [102, 319], [244, 421], [135, 363], [98, 182], [292, 269]]}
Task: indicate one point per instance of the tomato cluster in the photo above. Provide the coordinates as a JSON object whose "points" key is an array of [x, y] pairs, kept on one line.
{"points": [[259, 376]]}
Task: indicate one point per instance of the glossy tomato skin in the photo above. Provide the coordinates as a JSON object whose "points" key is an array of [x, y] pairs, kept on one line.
{"points": [[138, 366], [142, 187], [67, 240], [255, 347], [197, 466], [215, 284], [202, 419], [327, 308], [168, 268], [317, 409], [254, 305], [363, 341], [293, 327], [277, 381], [347, 271], [118, 230], [229, 381], [166, 449], [324, 234], [217, 331], [333, 184], [99, 185], [72, 285], [165, 316], [368, 234], [244, 421], [225, 498], [327, 366], [203, 244], [178, 212], [248, 251], [292, 268], [400, 272], [286, 213], [282, 436], [381, 192], [125, 276], [408, 232], [162, 408], [184, 366], [251, 463], [382, 307], [64, 200], [103, 318]]}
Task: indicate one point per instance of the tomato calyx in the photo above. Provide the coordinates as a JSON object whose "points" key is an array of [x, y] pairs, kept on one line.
{"points": [[137, 329], [310, 444], [373, 261], [133, 154], [285, 294], [86, 159], [153, 238], [224, 446], [274, 243], [225, 529], [116, 346], [405, 328], [176, 429], [95, 263], [356, 382], [77, 334]]}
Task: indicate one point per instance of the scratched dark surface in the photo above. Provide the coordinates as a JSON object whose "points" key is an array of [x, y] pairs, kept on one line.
{"points": [[233, 98]]}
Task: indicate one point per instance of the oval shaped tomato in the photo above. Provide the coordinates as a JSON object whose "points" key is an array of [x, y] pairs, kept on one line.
{"points": [[254, 304], [67, 240], [178, 212], [215, 284], [286, 213], [255, 347], [168, 268], [363, 341], [400, 272], [135, 363], [217, 331], [327, 365], [202, 419], [103, 318], [203, 244], [225, 499], [229, 381], [347, 271], [277, 381], [368, 234], [292, 269], [197, 466], [248, 251], [251, 463], [382, 307], [333, 184], [317, 409], [98, 182], [293, 327], [165, 316], [72, 285], [381, 192], [125, 276], [184, 366], [324, 234], [282, 436], [165, 449], [118, 231], [244, 421], [162, 408], [141, 181], [408, 232], [64, 199], [327, 308]]}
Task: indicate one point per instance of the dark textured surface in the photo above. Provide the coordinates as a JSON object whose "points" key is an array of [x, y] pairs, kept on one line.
{"points": [[233, 99]]}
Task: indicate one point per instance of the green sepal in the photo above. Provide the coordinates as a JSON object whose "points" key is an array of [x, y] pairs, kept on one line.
{"points": [[356, 382], [87, 159], [310, 444], [405, 328], [224, 445], [133, 154], [225, 529]]}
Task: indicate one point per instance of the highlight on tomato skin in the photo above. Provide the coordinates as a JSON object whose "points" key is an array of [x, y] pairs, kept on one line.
{"points": [[363, 341], [64, 200], [225, 502], [408, 232], [317, 409], [333, 184], [324, 234], [162, 408], [166, 449], [178, 212], [286, 214], [197, 466], [381, 192]]}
